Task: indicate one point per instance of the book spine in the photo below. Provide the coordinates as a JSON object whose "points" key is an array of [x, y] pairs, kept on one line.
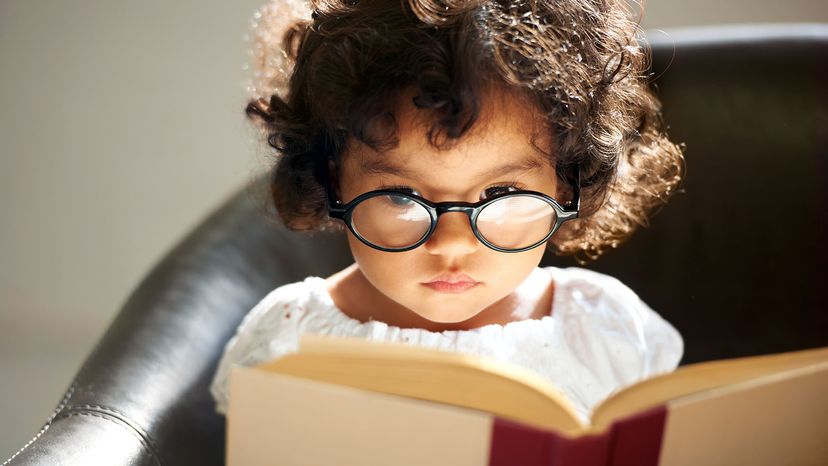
{"points": [[636, 440], [514, 443], [632, 441]]}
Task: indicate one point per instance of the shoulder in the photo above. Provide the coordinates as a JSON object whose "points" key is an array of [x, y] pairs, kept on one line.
{"points": [[591, 284], [278, 312], [594, 293], [290, 299], [268, 330], [599, 310]]}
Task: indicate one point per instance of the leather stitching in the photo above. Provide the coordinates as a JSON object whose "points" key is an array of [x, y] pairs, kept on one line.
{"points": [[48, 423], [118, 418], [98, 411]]}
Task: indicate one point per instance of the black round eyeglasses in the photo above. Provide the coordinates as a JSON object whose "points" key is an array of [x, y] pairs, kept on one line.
{"points": [[396, 221]]}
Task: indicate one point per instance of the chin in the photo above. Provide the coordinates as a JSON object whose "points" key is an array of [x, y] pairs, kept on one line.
{"points": [[447, 317]]}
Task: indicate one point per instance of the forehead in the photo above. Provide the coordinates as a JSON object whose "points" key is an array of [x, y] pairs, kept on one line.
{"points": [[510, 132]]}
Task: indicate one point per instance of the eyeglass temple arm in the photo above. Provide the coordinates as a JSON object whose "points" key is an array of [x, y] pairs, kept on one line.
{"points": [[575, 203], [335, 209]]}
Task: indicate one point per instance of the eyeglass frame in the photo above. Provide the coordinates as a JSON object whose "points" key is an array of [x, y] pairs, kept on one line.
{"points": [[344, 212]]}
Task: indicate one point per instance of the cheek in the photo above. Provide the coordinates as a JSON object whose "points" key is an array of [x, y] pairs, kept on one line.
{"points": [[508, 270], [383, 269]]}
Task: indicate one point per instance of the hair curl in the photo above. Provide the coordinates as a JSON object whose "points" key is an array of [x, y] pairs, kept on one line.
{"points": [[325, 73]]}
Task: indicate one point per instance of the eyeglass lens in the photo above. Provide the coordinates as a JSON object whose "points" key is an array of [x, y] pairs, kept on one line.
{"points": [[391, 221], [397, 221]]}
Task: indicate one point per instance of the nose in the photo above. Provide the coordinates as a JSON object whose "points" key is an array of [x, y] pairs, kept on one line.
{"points": [[452, 236]]}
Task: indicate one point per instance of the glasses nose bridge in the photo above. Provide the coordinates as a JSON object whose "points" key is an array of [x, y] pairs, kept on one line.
{"points": [[456, 207], [441, 209]]}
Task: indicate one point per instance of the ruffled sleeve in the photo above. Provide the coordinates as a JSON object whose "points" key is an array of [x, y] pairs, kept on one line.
{"points": [[267, 331], [614, 332]]}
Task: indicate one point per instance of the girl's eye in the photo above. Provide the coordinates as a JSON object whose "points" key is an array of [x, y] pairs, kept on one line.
{"points": [[500, 189], [400, 201]]}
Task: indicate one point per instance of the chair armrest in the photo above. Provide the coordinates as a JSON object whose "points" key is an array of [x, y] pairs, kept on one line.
{"points": [[142, 395]]}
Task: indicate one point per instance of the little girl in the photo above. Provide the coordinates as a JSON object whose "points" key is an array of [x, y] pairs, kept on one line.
{"points": [[453, 141]]}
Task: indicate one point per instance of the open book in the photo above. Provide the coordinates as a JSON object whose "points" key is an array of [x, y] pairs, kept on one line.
{"points": [[346, 401]]}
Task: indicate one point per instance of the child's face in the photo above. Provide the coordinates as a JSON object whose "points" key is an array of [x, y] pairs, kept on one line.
{"points": [[503, 135]]}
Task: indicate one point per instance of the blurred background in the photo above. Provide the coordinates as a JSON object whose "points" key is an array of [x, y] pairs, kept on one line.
{"points": [[121, 126]]}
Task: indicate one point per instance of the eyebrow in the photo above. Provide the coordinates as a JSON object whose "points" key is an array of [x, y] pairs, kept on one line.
{"points": [[380, 166]]}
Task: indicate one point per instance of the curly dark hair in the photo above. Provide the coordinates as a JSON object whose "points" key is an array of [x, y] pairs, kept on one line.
{"points": [[325, 79]]}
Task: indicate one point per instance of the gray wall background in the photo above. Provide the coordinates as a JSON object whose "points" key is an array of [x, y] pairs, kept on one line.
{"points": [[121, 126]]}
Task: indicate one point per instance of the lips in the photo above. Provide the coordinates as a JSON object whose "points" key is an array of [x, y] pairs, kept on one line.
{"points": [[451, 283]]}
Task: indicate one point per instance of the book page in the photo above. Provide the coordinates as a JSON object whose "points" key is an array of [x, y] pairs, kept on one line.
{"points": [[463, 380], [278, 419], [697, 378], [773, 420]]}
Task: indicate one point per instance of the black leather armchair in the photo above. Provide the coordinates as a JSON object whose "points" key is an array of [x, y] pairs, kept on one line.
{"points": [[735, 261]]}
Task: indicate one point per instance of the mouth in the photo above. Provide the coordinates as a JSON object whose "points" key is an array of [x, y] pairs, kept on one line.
{"points": [[451, 283]]}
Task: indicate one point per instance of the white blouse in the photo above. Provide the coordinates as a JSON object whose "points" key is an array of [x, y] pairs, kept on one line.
{"points": [[599, 338]]}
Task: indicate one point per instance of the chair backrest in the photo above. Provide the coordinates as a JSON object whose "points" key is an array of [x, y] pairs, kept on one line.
{"points": [[733, 262]]}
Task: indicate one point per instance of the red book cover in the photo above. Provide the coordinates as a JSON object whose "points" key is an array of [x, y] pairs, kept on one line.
{"points": [[634, 441]]}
